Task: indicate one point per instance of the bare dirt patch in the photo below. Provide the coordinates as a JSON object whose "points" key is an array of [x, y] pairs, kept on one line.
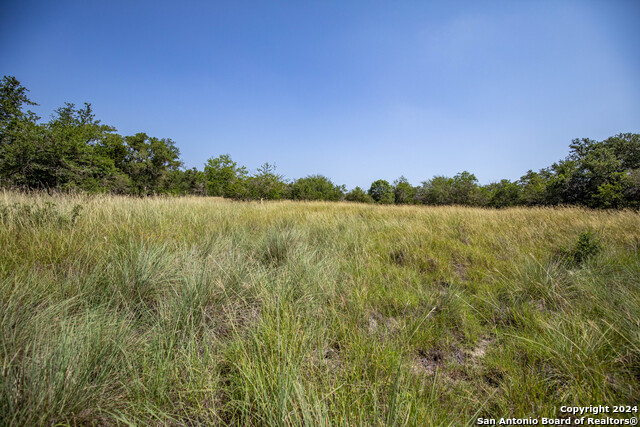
{"points": [[331, 356], [379, 324], [481, 349], [232, 318], [452, 361]]}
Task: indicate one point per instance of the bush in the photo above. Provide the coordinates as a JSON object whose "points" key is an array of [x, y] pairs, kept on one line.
{"points": [[587, 245], [358, 195], [382, 192], [316, 187]]}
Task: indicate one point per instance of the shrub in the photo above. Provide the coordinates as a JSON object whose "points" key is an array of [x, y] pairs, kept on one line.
{"points": [[382, 192], [358, 195], [587, 245], [316, 187]]}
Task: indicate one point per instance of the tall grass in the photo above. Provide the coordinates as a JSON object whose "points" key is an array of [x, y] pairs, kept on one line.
{"points": [[205, 311]]}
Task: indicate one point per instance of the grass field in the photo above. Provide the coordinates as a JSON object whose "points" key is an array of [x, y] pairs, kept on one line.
{"points": [[194, 311]]}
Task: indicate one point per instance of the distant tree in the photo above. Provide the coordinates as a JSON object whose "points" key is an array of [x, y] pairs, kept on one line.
{"points": [[13, 98], [73, 155], [601, 171], [266, 184], [73, 150], [225, 178], [62, 153], [21, 157], [462, 189], [436, 191], [503, 194], [404, 192], [20, 136], [183, 182], [631, 185], [626, 147], [358, 195], [381, 192], [316, 187], [561, 187], [465, 189], [148, 162], [533, 188]]}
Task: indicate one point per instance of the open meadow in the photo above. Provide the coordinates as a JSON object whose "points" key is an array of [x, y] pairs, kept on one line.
{"points": [[201, 311]]}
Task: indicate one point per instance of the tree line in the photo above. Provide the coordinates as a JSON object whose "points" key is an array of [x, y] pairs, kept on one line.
{"points": [[74, 151]]}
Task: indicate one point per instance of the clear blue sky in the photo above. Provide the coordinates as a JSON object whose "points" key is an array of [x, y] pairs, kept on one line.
{"points": [[355, 90]]}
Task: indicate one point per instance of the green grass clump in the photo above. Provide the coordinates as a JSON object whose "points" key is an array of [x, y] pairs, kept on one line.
{"points": [[198, 311], [586, 246]]}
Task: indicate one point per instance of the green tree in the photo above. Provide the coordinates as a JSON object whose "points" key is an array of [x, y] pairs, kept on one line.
{"points": [[72, 156], [358, 195], [225, 178], [13, 98], [631, 183], [465, 189], [626, 147], [266, 184], [183, 182], [149, 161], [59, 154], [381, 192], [436, 191], [404, 192], [316, 187], [533, 188], [20, 136], [503, 194], [600, 176]]}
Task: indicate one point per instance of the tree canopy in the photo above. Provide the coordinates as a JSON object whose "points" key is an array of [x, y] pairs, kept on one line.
{"points": [[74, 151]]}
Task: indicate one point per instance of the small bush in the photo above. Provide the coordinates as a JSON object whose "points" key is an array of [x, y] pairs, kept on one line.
{"points": [[587, 245]]}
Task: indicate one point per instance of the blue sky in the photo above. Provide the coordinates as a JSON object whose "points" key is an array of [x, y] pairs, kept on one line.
{"points": [[354, 90]]}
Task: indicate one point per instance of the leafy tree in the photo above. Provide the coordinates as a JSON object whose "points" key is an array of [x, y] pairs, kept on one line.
{"points": [[631, 183], [59, 154], [403, 191], [19, 133], [183, 182], [225, 178], [358, 195], [561, 187], [266, 184], [149, 161], [436, 191], [533, 188], [462, 189], [72, 156], [381, 192], [316, 187], [626, 147], [21, 162], [609, 195], [465, 189], [503, 194], [13, 96]]}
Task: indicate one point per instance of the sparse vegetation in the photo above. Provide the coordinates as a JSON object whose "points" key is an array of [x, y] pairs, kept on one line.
{"points": [[146, 311]]}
